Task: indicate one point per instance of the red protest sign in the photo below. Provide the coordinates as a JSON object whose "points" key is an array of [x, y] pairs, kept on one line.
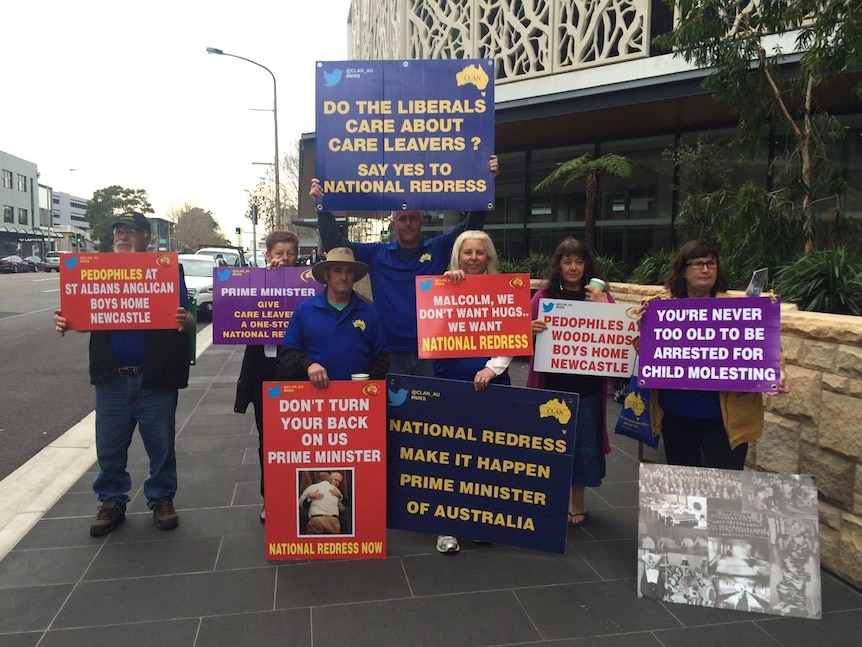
{"points": [[325, 470], [484, 315], [120, 291]]}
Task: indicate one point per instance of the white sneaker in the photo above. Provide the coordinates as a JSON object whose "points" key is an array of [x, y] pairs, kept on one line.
{"points": [[447, 544]]}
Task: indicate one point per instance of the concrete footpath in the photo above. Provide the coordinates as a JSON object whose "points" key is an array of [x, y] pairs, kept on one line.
{"points": [[207, 583]]}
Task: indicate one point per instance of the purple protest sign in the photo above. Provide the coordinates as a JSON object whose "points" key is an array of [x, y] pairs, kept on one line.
{"points": [[711, 344], [253, 305]]}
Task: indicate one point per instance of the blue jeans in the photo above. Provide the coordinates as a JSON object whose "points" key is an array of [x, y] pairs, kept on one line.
{"points": [[121, 403], [408, 363]]}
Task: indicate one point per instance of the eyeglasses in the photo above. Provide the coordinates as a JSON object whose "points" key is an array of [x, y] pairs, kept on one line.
{"points": [[699, 265], [128, 231]]}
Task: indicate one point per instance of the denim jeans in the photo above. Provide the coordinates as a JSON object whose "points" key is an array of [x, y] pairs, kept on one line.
{"points": [[408, 363], [121, 403]]}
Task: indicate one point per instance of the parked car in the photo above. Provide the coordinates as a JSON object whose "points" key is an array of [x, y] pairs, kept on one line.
{"points": [[204, 301], [233, 256], [198, 272], [52, 261], [14, 264], [36, 263]]}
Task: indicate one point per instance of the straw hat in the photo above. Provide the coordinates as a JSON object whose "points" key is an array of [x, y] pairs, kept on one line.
{"points": [[339, 255]]}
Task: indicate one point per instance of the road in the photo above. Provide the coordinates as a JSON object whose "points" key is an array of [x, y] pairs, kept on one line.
{"points": [[44, 380]]}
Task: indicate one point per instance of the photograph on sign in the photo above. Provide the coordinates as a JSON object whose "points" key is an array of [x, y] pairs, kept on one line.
{"points": [[325, 470], [727, 539]]}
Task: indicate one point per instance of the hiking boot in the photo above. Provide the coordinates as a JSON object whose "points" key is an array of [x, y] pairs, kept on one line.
{"points": [[447, 544], [164, 514], [110, 516]]}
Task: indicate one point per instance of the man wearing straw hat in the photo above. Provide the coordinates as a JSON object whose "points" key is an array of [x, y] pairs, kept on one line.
{"points": [[336, 333]]}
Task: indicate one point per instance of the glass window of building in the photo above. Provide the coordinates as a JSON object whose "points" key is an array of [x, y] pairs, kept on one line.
{"points": [[634, 214], [23, 216], [7, 179], [8, 213], [22, 183]]}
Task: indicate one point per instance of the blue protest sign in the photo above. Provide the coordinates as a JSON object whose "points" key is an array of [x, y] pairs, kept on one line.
{"points": [[405, 135], [493, 465]]}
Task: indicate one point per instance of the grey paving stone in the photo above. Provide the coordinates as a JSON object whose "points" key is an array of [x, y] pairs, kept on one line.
{"points": [[167, 597], [324, 583], [291, 628], [40, 567], [592, 609], [493, 618], [170, 633]]}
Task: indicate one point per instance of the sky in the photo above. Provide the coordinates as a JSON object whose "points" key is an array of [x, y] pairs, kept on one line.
{"points": [[104, 92]]}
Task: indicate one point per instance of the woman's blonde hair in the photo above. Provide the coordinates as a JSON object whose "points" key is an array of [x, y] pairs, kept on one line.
{"points": [[474, 234]]}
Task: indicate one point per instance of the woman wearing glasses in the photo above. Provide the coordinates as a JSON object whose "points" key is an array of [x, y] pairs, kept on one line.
{"points": [[704, 428]]}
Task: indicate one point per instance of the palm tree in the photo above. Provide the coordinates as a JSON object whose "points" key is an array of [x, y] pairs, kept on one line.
{"points": [[587, 167]]}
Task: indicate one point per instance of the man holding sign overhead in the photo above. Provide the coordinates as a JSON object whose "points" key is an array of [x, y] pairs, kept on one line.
{"points": [[394, 267]]}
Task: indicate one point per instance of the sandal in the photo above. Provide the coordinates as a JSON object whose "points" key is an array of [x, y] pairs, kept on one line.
{"points": [[573, 519]]}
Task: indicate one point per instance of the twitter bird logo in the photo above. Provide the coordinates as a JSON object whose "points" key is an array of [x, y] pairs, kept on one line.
{"points": [[70, 262], [223, 275], [396, 398], [273, 391], [331, 79], [547, 307], [425, 285]]}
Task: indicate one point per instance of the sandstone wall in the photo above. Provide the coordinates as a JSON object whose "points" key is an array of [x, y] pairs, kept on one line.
{"points": [[816, 428]]}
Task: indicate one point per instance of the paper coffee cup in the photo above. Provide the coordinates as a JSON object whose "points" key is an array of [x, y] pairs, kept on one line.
{"points": [[359, 376], [598, 284]]}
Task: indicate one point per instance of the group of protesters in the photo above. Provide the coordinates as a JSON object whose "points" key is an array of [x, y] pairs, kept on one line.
{"points": [[323, 343]]}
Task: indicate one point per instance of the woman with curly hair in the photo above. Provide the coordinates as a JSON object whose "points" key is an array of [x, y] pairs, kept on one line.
{"points": [[570, 269]]}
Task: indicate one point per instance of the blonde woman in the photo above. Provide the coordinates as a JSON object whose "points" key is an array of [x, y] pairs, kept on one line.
{"points": [[472, 253]]}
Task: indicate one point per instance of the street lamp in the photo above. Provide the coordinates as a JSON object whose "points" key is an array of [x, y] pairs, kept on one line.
{"points": [[213, 50]]}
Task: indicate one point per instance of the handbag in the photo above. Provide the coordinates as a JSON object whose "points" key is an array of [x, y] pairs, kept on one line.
{"points": [[634, 420]]}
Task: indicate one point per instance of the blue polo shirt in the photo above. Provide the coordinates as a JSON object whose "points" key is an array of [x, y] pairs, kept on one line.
{"points": [[393, 272], [128, 347], [342, 341]]}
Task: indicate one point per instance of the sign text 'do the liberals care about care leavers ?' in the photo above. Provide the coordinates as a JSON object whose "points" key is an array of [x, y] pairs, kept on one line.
{"points": [[120, 291], [405, 135], [711, 344]]}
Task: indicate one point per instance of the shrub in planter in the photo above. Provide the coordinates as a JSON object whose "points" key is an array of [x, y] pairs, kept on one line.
{"points": [[615, 270], [823, 281], [653, 268]]}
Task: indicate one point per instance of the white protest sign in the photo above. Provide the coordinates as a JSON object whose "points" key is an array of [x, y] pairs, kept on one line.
{"points": [[586, 338]]}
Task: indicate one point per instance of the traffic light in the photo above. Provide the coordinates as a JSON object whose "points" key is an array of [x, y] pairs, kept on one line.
{"points": [[384, 235], [79, 238], [254, 213], [238, 231]]}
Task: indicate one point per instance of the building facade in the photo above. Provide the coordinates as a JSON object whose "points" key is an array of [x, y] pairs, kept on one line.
{"points": [[69, 220], [574, 78], [19, 200]]}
